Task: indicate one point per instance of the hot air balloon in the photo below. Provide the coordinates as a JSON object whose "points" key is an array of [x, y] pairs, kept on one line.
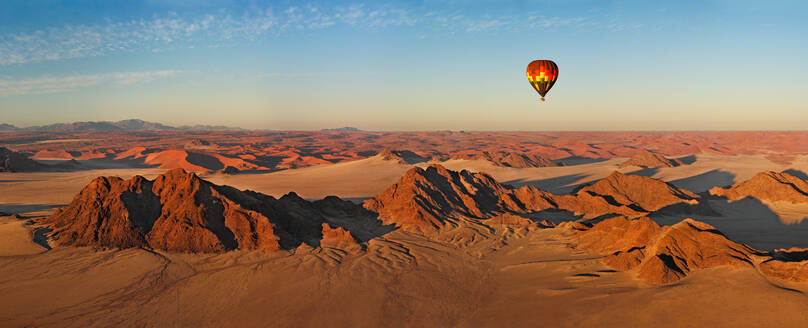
{"points": [[542, 74]]}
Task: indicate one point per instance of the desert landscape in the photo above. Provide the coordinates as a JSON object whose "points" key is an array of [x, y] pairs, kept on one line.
{"points": [[353, 228], [394, 163]]}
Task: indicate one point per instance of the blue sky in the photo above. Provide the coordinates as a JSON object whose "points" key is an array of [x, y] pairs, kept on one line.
{"points": [[406, 65]]}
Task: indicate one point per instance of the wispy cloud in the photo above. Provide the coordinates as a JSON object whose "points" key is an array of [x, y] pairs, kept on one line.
{"points": [[221, 27], [509, 23], [56, 84], [359, 16], [173, 31]]}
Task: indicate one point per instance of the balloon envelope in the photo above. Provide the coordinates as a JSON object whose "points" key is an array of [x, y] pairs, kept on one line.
{"points": [[542, 74]]}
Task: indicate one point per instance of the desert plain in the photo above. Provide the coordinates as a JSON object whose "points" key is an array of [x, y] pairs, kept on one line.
{"points": [[153, 228]]}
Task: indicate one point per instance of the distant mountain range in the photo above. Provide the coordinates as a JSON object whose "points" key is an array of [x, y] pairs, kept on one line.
{"points": [[135, 125], [342, 129], [125, 125]]}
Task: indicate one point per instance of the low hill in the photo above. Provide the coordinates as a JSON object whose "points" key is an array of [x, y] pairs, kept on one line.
{"points": [[769, 186], [647, 159], [662, 255], [11, 161], [642, 193]]}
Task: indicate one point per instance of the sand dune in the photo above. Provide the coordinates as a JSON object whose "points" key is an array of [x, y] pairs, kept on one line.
{"points": [[483, 266], [278, 150], [342, 178], [17, 238], [534, 278], [355, 179], [54, 188], [361, 179]]}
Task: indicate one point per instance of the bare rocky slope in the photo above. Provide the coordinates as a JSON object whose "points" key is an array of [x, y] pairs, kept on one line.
{"points": [[641, 193], [770, 186], [662, 255], [178, 211], [666, 254], [424, 198]]}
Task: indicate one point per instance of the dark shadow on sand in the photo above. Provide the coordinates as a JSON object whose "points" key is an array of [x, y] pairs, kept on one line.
{"points": [[747, 221], [557, 185], [578, 160], [703, 182], [27, 208], [645, 172], [204, 160], [363, 224], [687, 160], [41, 237], [797, 173]]}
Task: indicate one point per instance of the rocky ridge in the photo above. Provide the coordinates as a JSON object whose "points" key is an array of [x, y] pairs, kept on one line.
{"points": [[667, 254], [180, 212], [769, 186], [423, 199]]}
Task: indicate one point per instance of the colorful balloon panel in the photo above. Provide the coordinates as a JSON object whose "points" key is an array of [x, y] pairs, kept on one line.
{"points": [[542, 74]]}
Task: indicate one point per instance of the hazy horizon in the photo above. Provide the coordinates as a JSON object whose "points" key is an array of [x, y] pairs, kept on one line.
{"points": [[405, 66], [413, 130]]}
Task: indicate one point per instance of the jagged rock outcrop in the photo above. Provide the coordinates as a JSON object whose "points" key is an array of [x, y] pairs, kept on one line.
{"points": [[508, 159], [769, 186], [11, 161], [648, 159], [423, 198], [644, 194], [180, 212], [591, 206], [661, 255], [664, 255], [688, 246], [401, 156], [337, 237]]}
